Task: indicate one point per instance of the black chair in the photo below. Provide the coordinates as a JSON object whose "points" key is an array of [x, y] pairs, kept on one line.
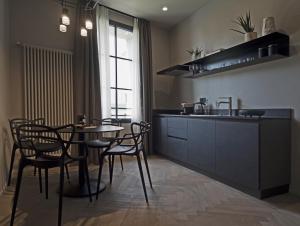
{"points": [[14, 123], [44, 141], [106, 141], [135, 144]]}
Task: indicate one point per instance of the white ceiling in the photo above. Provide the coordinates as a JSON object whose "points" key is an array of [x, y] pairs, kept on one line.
{"points": [[152, 9]]}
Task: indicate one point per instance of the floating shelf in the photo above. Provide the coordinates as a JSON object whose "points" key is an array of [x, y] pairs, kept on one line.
{"points": [[175, 70], [243, 55]]}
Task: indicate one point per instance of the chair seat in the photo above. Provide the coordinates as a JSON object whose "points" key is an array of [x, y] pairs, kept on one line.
{"points": [[121, 150], [48, 147], [97, 143], [46, 161]]}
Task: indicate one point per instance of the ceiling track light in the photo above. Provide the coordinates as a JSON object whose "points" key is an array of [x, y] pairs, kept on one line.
{"points": [[165, 8]]}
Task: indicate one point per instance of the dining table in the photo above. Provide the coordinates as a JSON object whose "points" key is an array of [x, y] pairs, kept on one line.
{"points": [[79, 188]]}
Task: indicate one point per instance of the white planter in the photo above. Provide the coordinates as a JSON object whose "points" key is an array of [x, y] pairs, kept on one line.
{"points": [[268, 26], [250, 36]]}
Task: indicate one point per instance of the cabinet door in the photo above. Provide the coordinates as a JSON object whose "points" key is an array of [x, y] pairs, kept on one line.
{"points": [[160, 135], [237, 152], [201, 144], [177, 149]]}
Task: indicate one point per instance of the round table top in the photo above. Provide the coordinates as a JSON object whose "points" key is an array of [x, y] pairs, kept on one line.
{"points": [[95, 129]]}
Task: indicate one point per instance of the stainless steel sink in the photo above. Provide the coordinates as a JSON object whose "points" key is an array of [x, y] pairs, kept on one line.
{"points": [[210, 115]]}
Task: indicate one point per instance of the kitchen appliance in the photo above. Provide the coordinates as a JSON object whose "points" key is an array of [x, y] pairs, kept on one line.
{"points": [[199, 106], [187, 108]]}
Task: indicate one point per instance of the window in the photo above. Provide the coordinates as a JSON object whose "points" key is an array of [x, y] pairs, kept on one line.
{"points": [[121, 70]]}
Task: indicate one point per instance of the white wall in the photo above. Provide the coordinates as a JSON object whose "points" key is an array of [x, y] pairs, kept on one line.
{"points": [[271, 85], [4, 88]]}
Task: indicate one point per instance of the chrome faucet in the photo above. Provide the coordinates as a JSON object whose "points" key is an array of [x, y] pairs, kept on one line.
{"points": [[225, 100]]}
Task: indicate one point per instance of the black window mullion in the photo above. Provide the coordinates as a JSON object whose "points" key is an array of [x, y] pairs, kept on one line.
{"points": [[120, 58], [116, 70]]}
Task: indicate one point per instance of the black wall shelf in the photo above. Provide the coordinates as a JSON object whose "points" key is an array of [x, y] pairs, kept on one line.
{"points": [[243, 55]]}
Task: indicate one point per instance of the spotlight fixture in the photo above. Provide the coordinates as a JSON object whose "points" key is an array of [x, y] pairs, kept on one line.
{"points": [[83, 32], [62, 28], [165, 8]]}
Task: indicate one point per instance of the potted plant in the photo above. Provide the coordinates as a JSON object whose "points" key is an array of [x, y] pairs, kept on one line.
{"points": [[195, 53], [247, 27]]}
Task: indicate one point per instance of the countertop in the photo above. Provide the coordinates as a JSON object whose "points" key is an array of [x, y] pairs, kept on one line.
{"points": [[269, 114]]}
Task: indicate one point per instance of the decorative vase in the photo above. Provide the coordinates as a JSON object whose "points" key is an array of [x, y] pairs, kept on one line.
{"points": [[250, 36], [268, 26]]}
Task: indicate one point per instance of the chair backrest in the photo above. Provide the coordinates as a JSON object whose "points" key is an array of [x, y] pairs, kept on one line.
{"points": [[139, 131], [16, 122], [43, 139]]}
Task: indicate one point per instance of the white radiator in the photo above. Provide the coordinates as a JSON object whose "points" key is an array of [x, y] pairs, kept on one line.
{"points": [[48, 85]]}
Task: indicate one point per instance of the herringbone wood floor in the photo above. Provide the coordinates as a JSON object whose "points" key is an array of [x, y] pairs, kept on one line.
{"points": [[180, 197]]}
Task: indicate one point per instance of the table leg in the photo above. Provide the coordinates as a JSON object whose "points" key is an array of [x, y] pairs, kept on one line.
{"points": [[78, 190]]}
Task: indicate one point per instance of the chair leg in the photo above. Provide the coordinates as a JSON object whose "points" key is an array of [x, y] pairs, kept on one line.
{"points": [[142, 176], [121, 160], [12, 160], [34, 171], [61, 190], [147, 167], [40, 180], [99, 175], [111, 170], [109, 164], [88, 179], [17, 192], [46, 182], [67, 172]]}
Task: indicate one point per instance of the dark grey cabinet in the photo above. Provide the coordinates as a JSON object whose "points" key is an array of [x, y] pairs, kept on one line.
{"points": [[177, 149], [237, 152], [201, 144], [252, 155], [177, 139], [160, 136]]}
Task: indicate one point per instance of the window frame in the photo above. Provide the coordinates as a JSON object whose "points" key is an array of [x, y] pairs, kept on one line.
{"points": [[117, 25]]}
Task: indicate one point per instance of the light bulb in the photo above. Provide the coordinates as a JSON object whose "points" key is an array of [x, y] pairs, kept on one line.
{"points": [[65, 19], [165, 8], [83, 32], [62, 28], [88, 24]]}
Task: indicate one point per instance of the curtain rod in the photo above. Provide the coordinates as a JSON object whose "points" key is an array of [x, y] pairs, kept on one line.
{"points": [[126, 14]]}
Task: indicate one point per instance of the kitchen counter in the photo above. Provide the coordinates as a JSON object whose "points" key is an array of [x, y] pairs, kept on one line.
{"points": [[269, 114], [251, 154]]}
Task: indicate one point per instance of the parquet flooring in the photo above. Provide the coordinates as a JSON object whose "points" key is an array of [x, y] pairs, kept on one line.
{"points": [[181, 197]]}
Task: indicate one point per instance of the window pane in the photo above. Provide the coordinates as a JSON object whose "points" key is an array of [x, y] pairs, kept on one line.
{"points": [[125, 99], [112, 41], [124, 113], [124, 74], [113, 113], [124, 43], [113, 98], [112, 72]]}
